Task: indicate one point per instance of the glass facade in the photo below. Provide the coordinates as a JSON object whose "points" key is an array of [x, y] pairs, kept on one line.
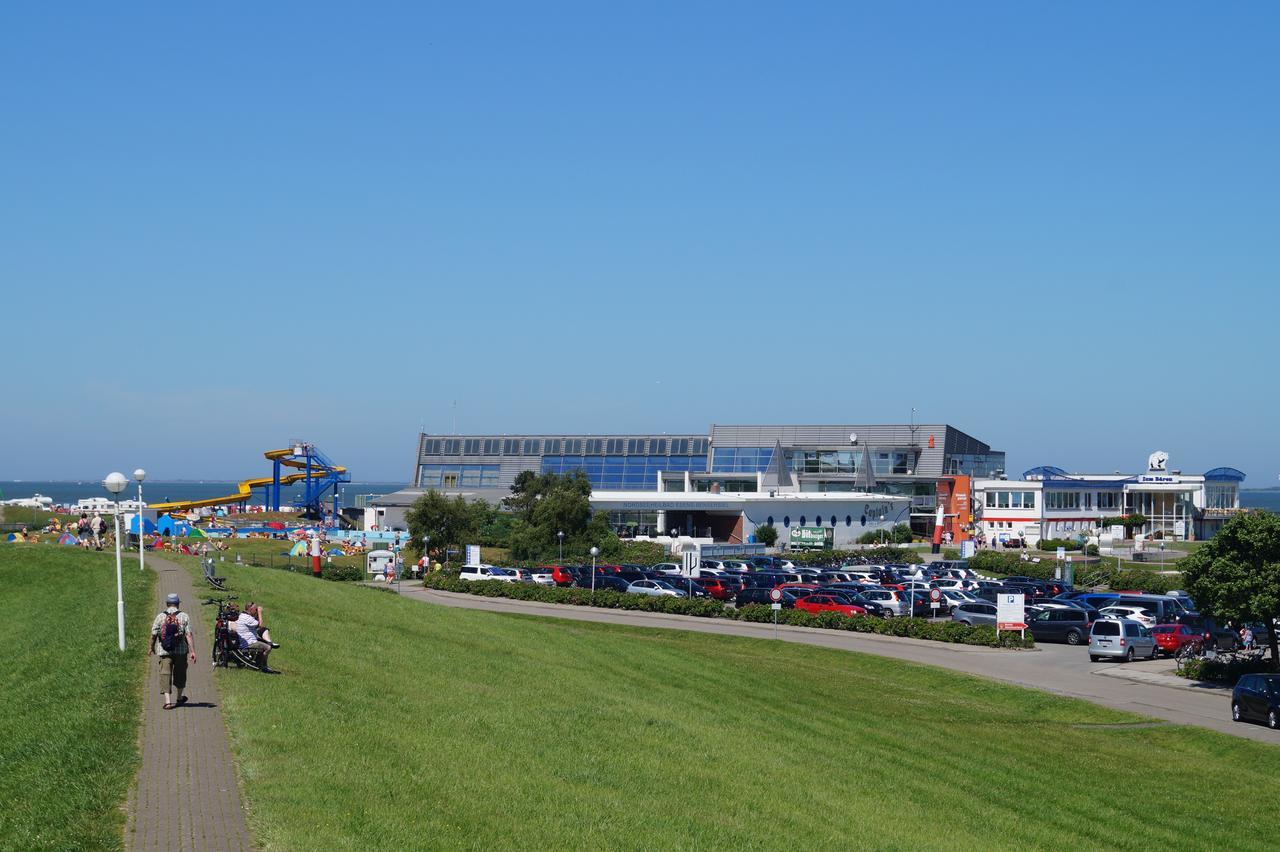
{"points": [[741, 459], [623, 473], [1222, 495], [826, 461], [974, 464], [458, 476]]}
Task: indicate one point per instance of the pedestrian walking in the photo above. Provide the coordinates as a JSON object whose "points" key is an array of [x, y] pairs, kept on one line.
{"points": [[171, 631]]}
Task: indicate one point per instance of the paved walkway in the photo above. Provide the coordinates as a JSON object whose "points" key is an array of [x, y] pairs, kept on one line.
{"points": [[1060, 669], [186, 796]]}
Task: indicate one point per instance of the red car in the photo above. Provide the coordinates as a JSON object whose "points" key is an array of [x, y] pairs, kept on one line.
{"points": [[563, 576], [717, 588], [1170, 638], [826, 603]]}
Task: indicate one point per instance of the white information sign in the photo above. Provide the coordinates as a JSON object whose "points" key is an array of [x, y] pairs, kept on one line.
{"points": [[968, 549], [776, 606], [1010, 612], [1117, 532], [1180, 529], [1062, 553], [473, 554]]}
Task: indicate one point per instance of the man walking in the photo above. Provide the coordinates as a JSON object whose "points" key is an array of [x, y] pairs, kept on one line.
{"points": [[172, 632]]}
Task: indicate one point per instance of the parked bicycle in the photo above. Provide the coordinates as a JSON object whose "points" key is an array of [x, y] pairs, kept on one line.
{"points": [[226, 649]]}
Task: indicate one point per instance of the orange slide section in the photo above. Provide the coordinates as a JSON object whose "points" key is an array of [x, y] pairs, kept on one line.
{"points": [[245, 489]]}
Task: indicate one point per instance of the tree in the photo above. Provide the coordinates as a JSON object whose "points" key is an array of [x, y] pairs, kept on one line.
{"points": [[450, 523], [1236, 576], [767, 535], [901, 534], [545, 504]]}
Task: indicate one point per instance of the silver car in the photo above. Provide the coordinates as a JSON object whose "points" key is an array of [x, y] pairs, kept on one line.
{"points": [[1120, 639], [975, 614]]}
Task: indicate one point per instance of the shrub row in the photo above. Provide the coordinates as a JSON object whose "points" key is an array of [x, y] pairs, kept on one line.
{"points": [[1051, 544], [337, 573], [1226, 668], [915, 628], [1000, 562]]}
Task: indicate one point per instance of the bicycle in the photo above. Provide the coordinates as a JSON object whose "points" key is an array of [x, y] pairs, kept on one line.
{"points": [[226, 645]]}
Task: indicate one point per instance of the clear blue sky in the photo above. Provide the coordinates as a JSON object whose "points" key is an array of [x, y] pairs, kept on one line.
{"points": [[1056, 226]]}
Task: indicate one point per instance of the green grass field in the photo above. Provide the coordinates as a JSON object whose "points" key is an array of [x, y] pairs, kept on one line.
{"points": [[398, 724], [69, 700]]}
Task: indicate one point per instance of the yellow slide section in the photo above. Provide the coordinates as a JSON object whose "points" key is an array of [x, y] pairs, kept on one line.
{"points": [[245, 489]]}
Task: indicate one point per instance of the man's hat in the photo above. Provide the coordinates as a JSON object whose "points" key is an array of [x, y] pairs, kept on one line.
{"points": [[171, 599]]}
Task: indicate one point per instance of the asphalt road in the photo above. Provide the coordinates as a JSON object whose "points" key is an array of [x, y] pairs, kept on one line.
{"points": [[1060, 669]]}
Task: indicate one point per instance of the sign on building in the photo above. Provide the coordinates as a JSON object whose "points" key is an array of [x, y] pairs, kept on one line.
{"points": [[1180, 529], [968, 549], [811, 538], [473, 554]]}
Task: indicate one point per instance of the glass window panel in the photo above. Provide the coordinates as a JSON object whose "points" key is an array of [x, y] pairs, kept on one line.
{"points": [[658, 447]]}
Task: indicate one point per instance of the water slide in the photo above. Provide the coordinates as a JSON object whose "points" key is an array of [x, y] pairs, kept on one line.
{"points": [[245, 489]]}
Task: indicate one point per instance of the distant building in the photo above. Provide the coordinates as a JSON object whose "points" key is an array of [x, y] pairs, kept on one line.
{"points": [[847, 478], [1050, 503]]}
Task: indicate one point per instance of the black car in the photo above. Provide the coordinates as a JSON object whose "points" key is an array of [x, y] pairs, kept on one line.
{"points": [[760, 595], [1213, 634], [1060, 624], [612, 582], [1257, 697]]}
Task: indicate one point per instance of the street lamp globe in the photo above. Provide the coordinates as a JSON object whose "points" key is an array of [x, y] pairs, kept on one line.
{"points": [[139, 475], [595, 551], [115, 482]]}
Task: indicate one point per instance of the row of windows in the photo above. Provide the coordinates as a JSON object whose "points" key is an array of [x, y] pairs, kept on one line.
{"points": [[1062, 499], [458, 476], [623, 473], [1086, 500], [826, 461], [974, 464], [741, 459], [568, 446], [1011, 499], [818, 521]]}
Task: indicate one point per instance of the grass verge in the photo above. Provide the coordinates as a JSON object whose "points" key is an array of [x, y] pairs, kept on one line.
{"points": [[70, 701], [399, 724]]}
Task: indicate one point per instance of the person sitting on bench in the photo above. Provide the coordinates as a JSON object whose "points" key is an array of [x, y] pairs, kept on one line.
{"points": [[260, 615], [245, 627]]}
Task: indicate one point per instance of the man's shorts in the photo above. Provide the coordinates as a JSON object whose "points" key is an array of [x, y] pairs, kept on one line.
{"points": [[173, 673]]}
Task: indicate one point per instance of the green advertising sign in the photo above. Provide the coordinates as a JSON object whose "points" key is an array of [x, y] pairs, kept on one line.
{"points": [[817, 538]]}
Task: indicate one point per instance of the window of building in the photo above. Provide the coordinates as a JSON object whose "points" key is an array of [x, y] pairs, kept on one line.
{"points": [[573, 446], [492, 446], [511, 447], [1108, 500], [471, 447], [551, 446], [614, 446], [700, 446], [458, 475], [1028, 499], [679, 446], [431, 447], [658, 446], [741, 459], [635, 446], [786, 520], [595, 446], [802, 520], [451, 447], [1062, 499]]}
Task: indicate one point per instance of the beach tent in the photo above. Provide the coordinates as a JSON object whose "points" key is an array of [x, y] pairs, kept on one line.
{"points": [[148, 526], [165, 525], [196, 532], [14, 537], [299, 549], [336, 551], [68, 538], [274, 525]]}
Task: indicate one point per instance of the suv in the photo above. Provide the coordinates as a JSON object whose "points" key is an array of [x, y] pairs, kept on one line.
{"points": [[1212, 634], [760, 595], [1064, 624], [1120, 638], [487, 572], [975, 614]]}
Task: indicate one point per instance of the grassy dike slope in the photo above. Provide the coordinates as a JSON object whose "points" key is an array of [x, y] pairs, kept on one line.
{"points": [[403, 725], [70, 702]]}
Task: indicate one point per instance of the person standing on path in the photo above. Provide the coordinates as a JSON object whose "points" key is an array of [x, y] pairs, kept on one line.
{"points": [[171, 630]]}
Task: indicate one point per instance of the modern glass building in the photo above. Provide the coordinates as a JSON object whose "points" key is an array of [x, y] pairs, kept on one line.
{"points": [[905, 460]]}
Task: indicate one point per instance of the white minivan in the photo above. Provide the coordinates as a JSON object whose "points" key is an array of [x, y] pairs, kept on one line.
{"points": [[1120, 639]]}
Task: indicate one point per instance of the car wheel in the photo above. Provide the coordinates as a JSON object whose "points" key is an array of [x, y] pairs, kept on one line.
{"points": [[1273, 721], [1155, 652], [1235, 712], [1073, 637], [1128, 657], [1093, 658]]}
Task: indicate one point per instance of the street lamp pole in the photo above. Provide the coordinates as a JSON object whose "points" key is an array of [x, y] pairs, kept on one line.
{"points": [[882, 530], [595, 551], [560, 535], [426, 555], [115, 483], [140, 475]]}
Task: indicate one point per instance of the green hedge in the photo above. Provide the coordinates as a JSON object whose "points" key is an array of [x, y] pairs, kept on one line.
{"points": [[1111, 577], [1002, 563], [1226, 668], [915, 628], [1049, 545]]}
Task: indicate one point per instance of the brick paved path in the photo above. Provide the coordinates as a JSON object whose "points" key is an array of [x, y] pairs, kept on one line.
{"points": [[186, 795]]}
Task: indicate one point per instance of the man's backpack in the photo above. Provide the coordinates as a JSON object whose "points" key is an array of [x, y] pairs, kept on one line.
{"points": [[172, 637]]}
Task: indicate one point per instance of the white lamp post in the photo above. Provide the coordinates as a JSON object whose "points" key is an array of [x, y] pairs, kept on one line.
{"points": [[560, 535], [140, 475], [115, 483], [426, 555], [882, 530], [595, 551]]}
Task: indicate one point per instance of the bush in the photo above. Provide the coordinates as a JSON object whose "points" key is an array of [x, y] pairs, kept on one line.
{"points": [[767, 535], [1051, 544], [915, 628], [950, 553], [342, 573], [1108, 575], [1091, 550], [1226, 668], [997, 562]]}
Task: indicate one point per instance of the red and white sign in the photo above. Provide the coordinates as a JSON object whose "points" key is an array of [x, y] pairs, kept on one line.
{"points": [[935, 595], [775, 595], [1011, 612]]}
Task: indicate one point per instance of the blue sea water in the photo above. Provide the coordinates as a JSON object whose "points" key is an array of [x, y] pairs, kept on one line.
{"points": [[1269, 500], [159, 492]]}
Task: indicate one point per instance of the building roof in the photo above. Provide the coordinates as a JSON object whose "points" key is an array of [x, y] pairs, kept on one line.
{"points": [[1224, 474]]}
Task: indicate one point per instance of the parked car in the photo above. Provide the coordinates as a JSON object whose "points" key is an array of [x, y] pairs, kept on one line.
{"points": [[654, 588], [760, 595], [886, 598], [975, 614], [542, 576], [820, 603], [1060, 624], [1213, 634], [522, 575], [856, 599], [721, 590], [952, 598], [1257, 696], [1120, 638], [673, 569], [612, 582], [1145, 617], [1171, 638], [564, 575], [487, 572]]}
